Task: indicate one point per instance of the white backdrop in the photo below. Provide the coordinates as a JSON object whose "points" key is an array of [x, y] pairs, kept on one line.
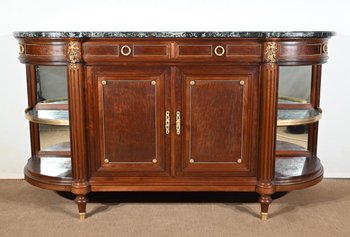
{"points": [[158, 15]]}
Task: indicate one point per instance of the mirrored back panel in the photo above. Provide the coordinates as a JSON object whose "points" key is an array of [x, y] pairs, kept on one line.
{"points": [[51, 111], [51, 82], [294, 84]]}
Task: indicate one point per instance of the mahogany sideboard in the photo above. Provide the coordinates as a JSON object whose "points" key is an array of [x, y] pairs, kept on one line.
{"points": [[173, 111]]}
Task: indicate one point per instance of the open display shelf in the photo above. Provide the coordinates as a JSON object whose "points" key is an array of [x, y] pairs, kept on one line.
{"points": [[294, 172], [49, 117], [50, 112], [293, 117], [52, 172]]}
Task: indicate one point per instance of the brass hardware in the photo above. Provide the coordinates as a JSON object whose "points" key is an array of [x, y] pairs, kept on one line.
{"points": [[73, 51], [54, 100], [241, 82], [178, 123], [125, 53], [82, 216], [216, 50], [271, 53], [153, 83], [21, 49], [167, 122], [293, 99], [192, 83], [239, 161], [154, 161], [103, 82], [35, 119], [302, 121], [106, 161], [191, 161], [325, 49], [264, 216]]}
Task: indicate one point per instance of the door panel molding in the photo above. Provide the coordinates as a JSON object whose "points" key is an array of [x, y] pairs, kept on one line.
{"points": [[227, 144], [137, 96]]}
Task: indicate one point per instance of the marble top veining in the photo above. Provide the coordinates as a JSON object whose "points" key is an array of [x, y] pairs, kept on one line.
{"points": [[173, 34]]}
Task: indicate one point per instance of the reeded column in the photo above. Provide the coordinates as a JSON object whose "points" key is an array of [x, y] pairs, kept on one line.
{"points": [[268, 122], [76, 95]]}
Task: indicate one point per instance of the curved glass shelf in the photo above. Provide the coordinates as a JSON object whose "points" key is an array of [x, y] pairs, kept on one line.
{"points": [[290, 100], [50, 117], [57, 103], [290, 117]]}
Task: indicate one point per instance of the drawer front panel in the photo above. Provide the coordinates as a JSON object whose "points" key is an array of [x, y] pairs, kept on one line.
{"points": [[150, 50], [172, 51], [112, 49], [194, 50], [125, 51], [39, 52], [304, 52], [243, 50], [218, 51]]}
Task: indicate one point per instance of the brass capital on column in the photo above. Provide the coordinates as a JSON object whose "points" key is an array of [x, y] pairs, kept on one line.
{"points": [[73, 53], [270, 56]]}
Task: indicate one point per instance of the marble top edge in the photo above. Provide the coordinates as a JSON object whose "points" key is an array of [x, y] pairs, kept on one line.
{"points": [[173, 34]]}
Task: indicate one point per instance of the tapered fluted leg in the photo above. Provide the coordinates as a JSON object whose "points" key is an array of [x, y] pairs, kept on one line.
{"points": [[265, 201], [81, 201]]}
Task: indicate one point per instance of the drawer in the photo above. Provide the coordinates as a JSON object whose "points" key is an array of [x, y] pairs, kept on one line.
{"points": [[218, 51], [179, 50], [125, 51]]}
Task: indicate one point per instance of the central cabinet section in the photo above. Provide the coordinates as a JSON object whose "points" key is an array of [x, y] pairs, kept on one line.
{"points": [[172, 120]]}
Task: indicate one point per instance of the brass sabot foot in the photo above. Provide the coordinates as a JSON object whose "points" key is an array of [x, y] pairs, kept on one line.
{"points": [[82, 216], [263, 216]]}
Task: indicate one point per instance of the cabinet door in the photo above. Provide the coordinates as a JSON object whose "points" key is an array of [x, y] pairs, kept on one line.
{"points": [[219, 117], [126, 120]]}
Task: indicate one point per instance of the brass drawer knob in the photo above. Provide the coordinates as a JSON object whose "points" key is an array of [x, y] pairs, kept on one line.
{"points": [[125, 50], [219, 50]]}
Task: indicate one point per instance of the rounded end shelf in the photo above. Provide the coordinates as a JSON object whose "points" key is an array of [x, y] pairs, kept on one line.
{"points": [[290, 117], [292, 173], [52, 173], [47, 116], [291, 100]]}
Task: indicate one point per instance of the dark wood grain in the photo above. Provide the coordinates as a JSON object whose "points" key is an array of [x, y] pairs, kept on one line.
{"points": [[217, 114], [127, 119]]}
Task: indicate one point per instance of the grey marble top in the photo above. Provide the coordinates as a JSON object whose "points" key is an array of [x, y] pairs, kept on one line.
{"points": [[173, 34]]}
